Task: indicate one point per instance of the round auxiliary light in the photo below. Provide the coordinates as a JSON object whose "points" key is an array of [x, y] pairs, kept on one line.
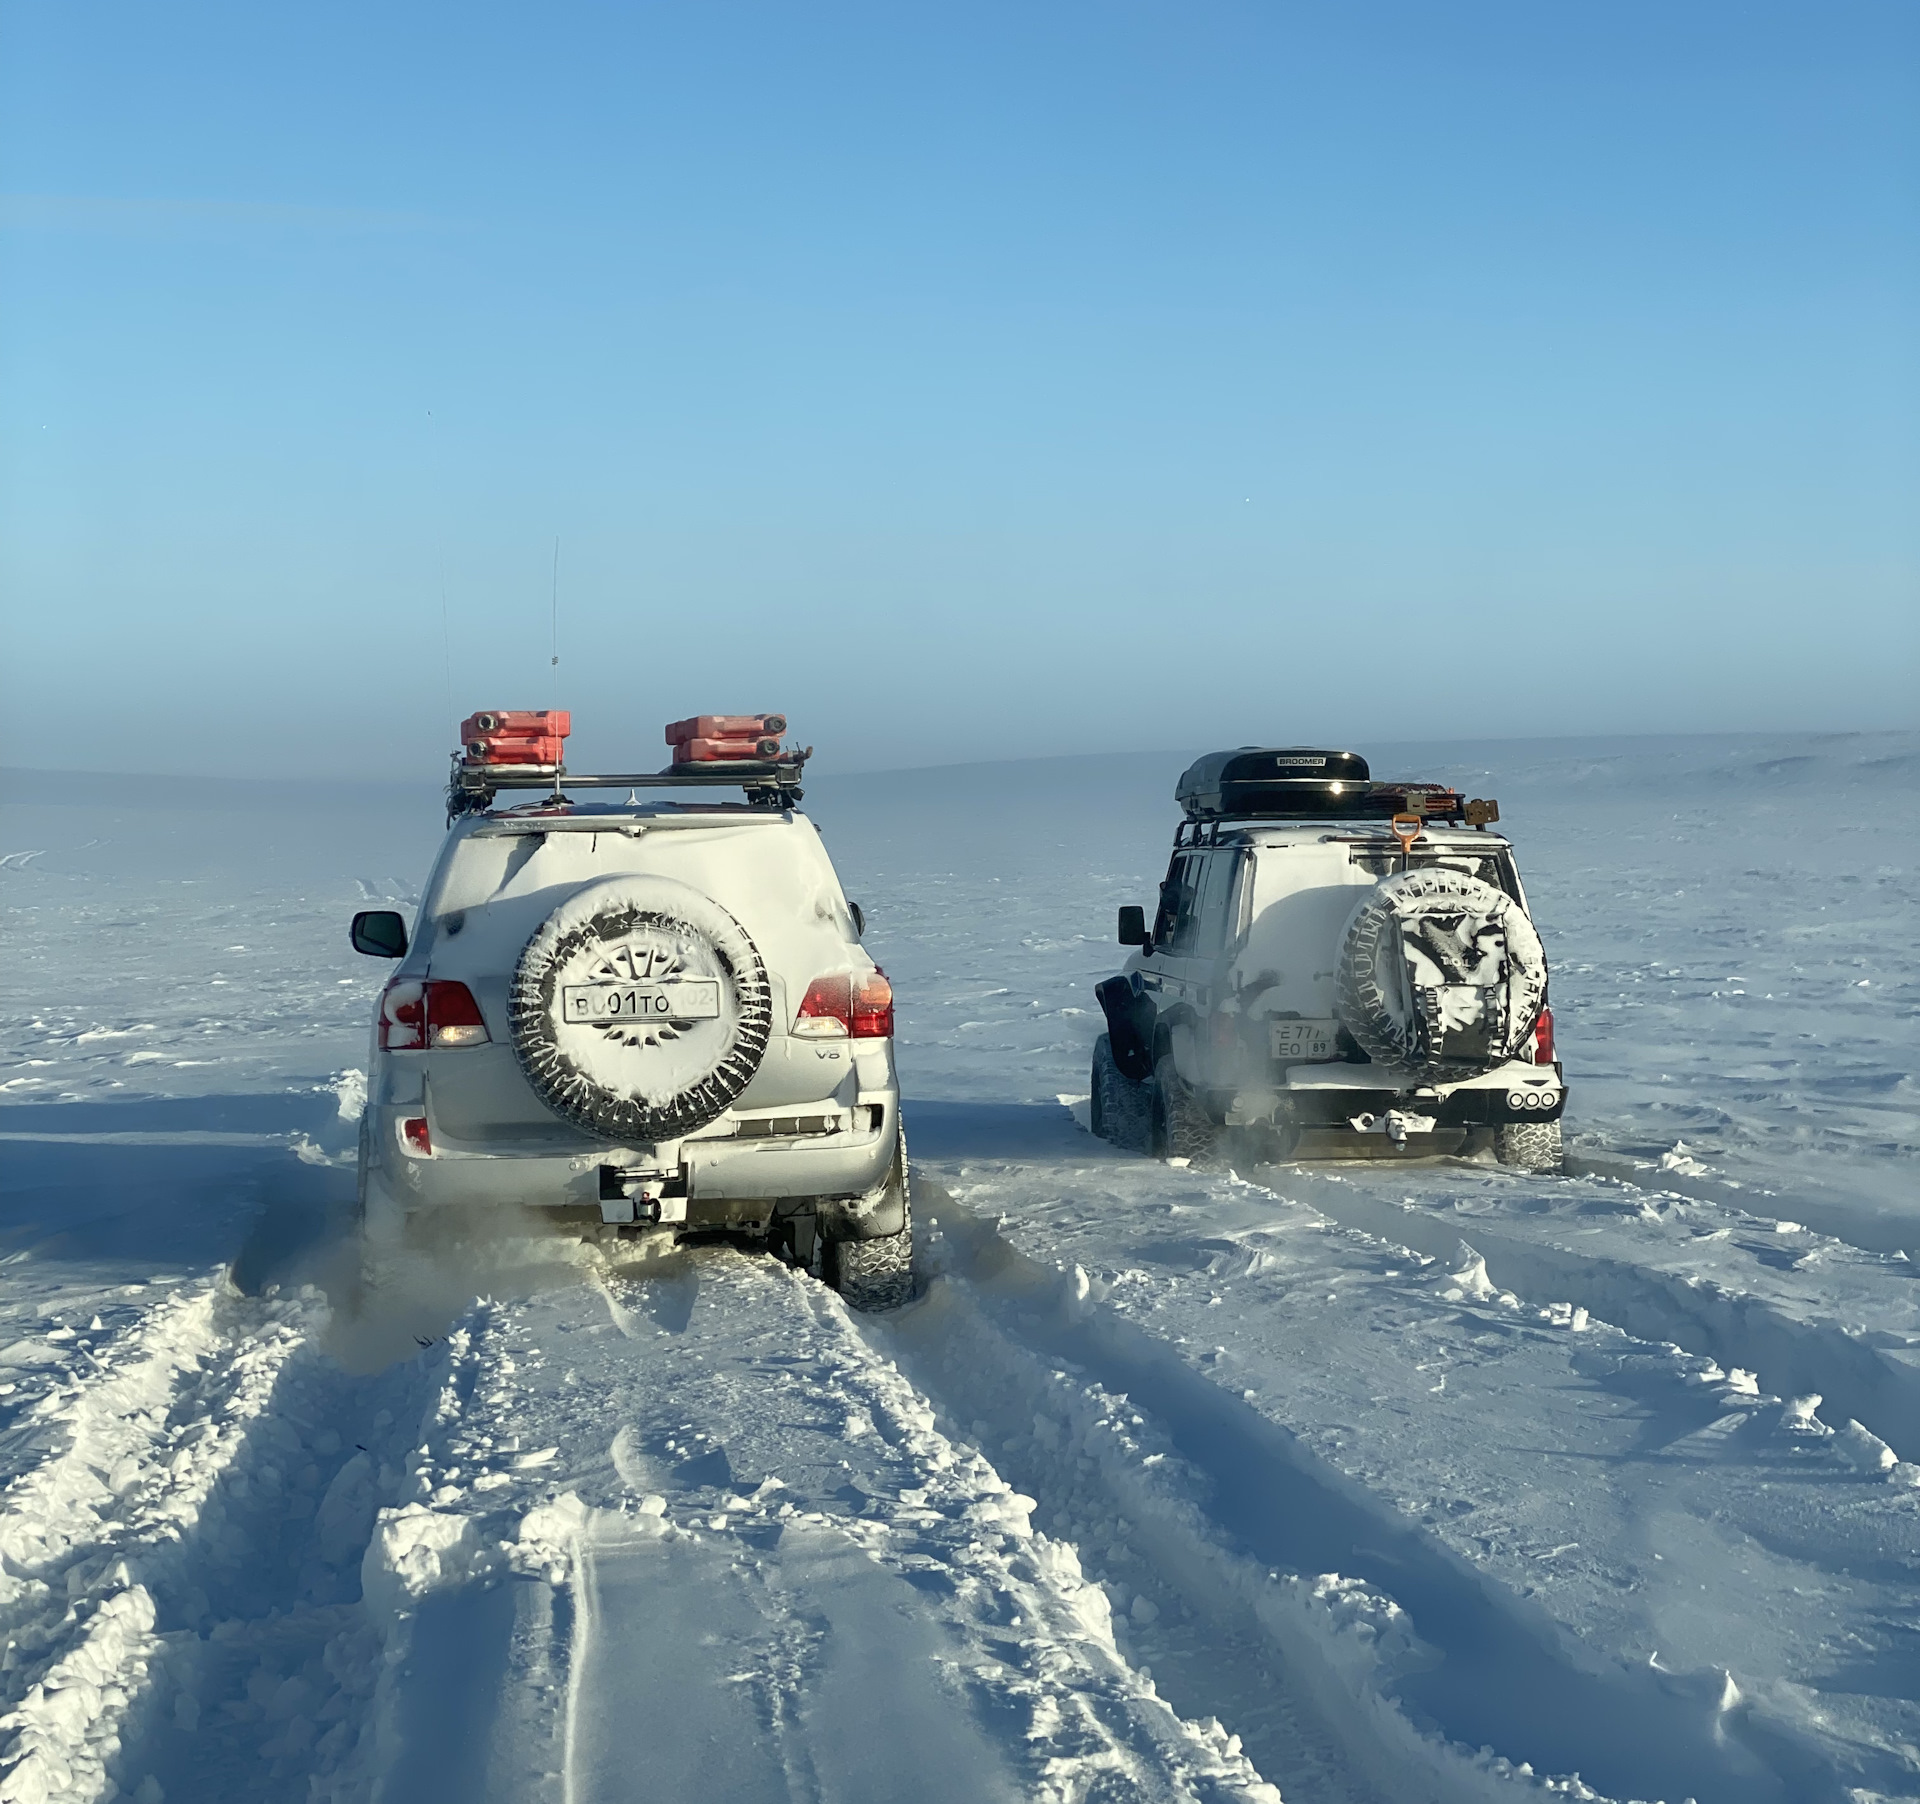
{"points": [[1516, 1099]]}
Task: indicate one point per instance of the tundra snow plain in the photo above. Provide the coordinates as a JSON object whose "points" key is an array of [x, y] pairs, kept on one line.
{"points": [[1356, 1482]]}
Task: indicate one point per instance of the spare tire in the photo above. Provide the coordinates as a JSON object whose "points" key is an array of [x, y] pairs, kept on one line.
{"points": [[1440, 974], [640, 1009]]}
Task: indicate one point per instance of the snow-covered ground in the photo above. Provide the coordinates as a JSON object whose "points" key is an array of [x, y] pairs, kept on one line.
{"points": [[1421, 1481]]}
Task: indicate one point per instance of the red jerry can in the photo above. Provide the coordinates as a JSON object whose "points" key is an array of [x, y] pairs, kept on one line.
{"points": [[515, 751], [727, 726], [524, 723], [515, 735], [717, 751]]}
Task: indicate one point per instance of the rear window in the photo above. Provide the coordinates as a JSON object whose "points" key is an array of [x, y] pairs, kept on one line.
{"points": [[1494, 867], [770, 874]]}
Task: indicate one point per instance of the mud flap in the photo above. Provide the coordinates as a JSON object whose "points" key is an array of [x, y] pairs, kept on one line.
{"points": [[878, 1212], [1130, 1024]]}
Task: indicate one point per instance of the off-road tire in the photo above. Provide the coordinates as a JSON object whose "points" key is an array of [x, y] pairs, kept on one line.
{"points": [[1118, 1110], [1182, 1128], [1529, 1145], [872, 1276], [875, 1275], [577, 1079]]}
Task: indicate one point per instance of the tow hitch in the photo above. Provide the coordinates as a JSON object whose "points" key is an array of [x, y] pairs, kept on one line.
{"points": [[628, 1195], [1396, 1124]]}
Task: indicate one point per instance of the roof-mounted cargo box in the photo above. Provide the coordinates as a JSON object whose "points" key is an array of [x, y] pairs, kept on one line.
{"points": [[1295, 783]]}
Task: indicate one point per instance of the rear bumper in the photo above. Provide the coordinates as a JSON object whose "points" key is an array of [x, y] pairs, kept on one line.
{"points": [[1315, 1099], [725, 1180]]}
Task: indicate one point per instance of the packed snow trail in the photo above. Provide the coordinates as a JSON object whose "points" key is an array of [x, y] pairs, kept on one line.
{"points": [[1634, 1562], [699, 1510], [694, 1528]]}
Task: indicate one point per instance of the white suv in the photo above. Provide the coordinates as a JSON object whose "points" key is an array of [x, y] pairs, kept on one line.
{"points": [[1336, 967], [643, 1018]]}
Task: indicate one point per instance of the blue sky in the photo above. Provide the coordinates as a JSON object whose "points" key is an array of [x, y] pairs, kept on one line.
{"points": [[994, 379]]}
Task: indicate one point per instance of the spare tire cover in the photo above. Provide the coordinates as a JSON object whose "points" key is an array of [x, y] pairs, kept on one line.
{"points": [[640, 1009], [1440, 974]]}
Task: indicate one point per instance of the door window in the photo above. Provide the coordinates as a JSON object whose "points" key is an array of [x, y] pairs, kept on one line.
{"points": [[1216, 894], [1180, 898]]}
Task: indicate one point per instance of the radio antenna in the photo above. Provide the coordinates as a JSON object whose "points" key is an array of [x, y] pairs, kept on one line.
{"points": [[556, 644]]}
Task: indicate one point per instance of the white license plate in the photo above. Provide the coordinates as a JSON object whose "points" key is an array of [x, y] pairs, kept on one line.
{"points": [[680, 999], [1303, 1039]]}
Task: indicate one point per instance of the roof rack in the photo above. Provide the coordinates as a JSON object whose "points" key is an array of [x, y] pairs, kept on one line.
{"points": [[1262, 783], [1387, 801], [768, 782]]}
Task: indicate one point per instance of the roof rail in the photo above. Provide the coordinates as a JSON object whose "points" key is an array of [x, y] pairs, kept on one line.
{"points": [[1377, 803], [768, 782]]}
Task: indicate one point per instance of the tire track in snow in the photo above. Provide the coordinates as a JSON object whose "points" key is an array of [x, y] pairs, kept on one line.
{"points": [[1792, 1357], [92, 1535], [730, 1537], [180, 1594], [1254, 1507]]}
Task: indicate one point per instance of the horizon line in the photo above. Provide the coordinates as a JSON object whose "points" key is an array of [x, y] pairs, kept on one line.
{"points": [[26, 772]]}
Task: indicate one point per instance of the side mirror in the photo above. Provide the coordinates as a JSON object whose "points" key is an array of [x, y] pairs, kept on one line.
{"points": [[1133, 925], [859, 920], [379, 933]]}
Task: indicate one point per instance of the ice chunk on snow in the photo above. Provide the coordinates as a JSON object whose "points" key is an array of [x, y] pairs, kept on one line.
{"points": [[1798, 1416], [550, 1533], [415, 1551], [1470, 1275], [1682, 1161], [1468, 1281], [1865, 1449]]}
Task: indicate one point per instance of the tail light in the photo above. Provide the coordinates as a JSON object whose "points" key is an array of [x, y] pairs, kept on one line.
{"points": [[453, 1017], [1543, 1038], [436, 1013], [414, 1132], [872, 1007], [403, 1017], [849, 1003]]}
